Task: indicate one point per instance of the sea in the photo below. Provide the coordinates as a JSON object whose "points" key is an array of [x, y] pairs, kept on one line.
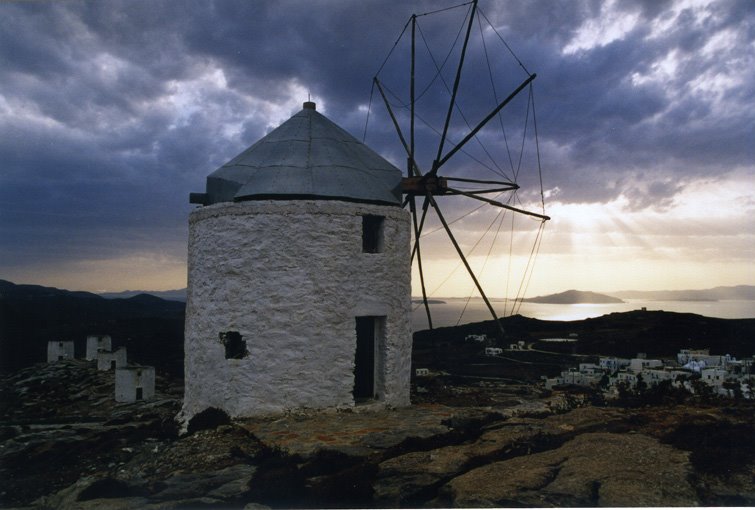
{"points": [[454, 311]]}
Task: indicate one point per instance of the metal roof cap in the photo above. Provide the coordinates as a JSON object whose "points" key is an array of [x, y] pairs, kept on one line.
{"points": [[306, 157]]}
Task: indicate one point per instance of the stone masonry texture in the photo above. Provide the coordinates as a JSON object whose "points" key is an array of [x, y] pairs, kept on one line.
{"points": [[290, 277]]}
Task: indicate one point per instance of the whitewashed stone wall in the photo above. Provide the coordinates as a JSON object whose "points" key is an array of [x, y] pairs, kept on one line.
{"points": [[291, 278], [130, 378], [59, 349], [97, 342]]}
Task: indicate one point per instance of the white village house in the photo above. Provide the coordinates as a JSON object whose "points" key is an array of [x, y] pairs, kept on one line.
{"points": [[299, 277], [723, 376]]}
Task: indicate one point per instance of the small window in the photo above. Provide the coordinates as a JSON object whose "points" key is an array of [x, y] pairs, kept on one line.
{"points": [[235, 346], [372, 234]]}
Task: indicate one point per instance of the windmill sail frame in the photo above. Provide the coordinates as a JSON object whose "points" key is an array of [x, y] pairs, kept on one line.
{"points": [[430, 184]]}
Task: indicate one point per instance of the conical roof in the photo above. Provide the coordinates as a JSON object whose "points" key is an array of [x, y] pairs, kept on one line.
{"points": [[306, 157]]}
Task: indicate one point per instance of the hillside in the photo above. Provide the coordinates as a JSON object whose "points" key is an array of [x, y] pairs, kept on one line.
{"points": [[656, 333], [571, 297], [30, 316], [152, 329], [533, 450], [170, 295], [475, 421]]}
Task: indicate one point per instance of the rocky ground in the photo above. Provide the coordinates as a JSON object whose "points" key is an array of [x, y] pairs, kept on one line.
{"points": [[64, 443]]}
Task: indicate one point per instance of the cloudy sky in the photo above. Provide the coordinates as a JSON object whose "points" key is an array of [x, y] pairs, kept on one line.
{"points": [[111, 112]]}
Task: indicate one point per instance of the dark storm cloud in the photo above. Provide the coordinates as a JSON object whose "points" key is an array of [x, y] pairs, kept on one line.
{"points": [[588, 100], [113, 111]]}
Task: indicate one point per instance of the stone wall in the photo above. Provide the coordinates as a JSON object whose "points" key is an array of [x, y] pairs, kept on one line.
{"points": [[290, 278]]}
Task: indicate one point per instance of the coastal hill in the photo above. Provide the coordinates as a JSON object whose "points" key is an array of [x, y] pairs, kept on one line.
{"points": [[571, 297], [475, 420], [152, 328]]}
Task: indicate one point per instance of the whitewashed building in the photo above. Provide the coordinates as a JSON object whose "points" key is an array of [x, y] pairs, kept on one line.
{"points": [[653, 376], [59, 350], [714, 376], [299, 286], [686, 355], [575, 377], [639, 364], [96, 343], [628, 378], [134, 382], [703, 357], [110, 360], [591, 369], [613, 364]]}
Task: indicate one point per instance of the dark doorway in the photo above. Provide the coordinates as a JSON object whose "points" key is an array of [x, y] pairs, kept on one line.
{"points": [[364, 362], [112, 364], [139, 393]]}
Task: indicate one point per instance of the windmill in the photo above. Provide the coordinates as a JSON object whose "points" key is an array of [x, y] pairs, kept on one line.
{"points": [[424, 180], [299, 277]]}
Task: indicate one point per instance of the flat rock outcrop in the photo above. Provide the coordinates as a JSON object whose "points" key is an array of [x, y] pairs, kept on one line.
{"points": [[71, 447], [593, 469]]}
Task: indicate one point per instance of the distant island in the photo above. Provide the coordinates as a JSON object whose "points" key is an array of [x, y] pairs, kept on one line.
{"points": [[572, 297], [429, 301]]}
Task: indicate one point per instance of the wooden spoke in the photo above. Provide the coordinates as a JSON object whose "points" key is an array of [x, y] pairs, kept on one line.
{"points": [[511, 185], [482, 123], [457, 80], [466, 264], [393, 117], [425, 205], [499, 204], [452, 191], [417, 231]]}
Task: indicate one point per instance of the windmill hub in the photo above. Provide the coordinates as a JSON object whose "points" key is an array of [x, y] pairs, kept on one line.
{"points": [[422, 185]]}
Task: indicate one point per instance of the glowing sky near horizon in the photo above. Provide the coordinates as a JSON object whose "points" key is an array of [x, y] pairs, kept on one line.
{"points": [[111, 112]]}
